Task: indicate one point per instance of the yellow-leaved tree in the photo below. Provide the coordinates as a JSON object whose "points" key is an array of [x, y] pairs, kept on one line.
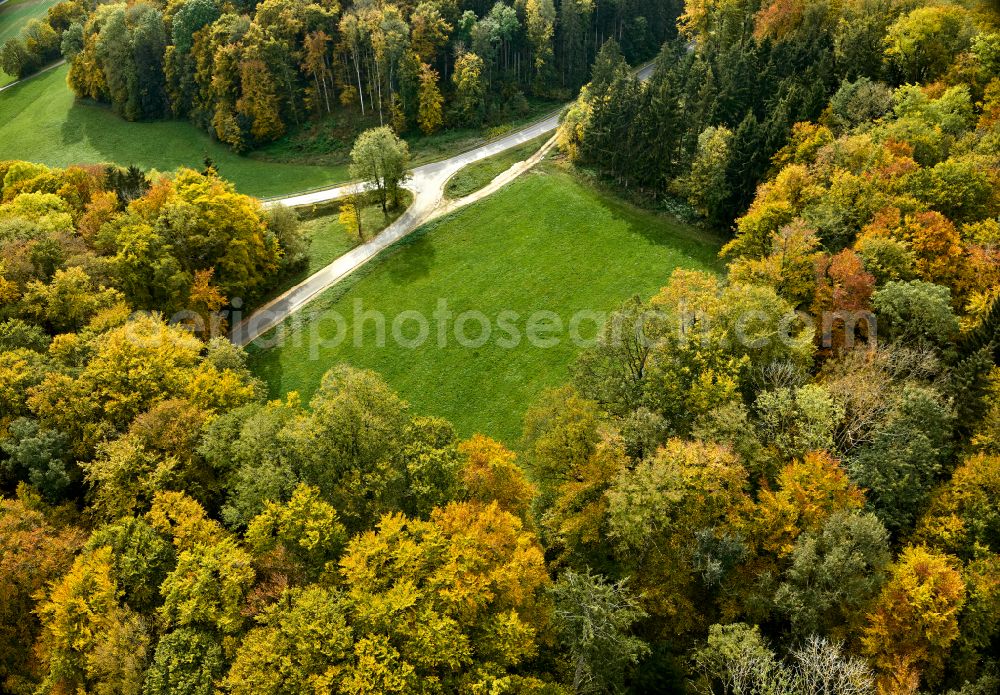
{"points": [[914, 620], [430, 115]]}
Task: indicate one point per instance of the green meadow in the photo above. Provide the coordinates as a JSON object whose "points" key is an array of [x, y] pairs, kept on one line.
{"points": [[548, 242], [44, 123]]}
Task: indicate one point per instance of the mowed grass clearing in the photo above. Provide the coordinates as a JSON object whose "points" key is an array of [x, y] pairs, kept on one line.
{"points": [[479, 174], [14, 14], [547, 242], [42, 122]]}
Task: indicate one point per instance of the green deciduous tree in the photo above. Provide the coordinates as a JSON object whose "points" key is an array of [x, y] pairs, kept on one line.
{"points": [[835, 572], [694, 348], [207, 588], [191, 16], [904, 461], [705, 185], [655, 513], [303, 645], [14, 58], [916, 311], [246, 450], [305, 529], [68, 301], [187, 661], [923, 43], [380, 158], [430, 464], [348, 446], [140, 559], [798, 421]]}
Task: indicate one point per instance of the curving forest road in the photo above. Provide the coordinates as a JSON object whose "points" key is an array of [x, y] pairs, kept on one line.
{"points": [[427, 184]]}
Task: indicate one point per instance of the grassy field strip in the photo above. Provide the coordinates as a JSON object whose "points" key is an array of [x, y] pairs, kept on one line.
{"points": [[14, 14], [547, 242], [43, 122], [329, 239], [479, 175]]}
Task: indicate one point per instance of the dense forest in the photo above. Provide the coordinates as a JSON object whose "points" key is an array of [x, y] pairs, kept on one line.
{"points": [[249, 72], [787, 516], [810, 508], [728, 92]]}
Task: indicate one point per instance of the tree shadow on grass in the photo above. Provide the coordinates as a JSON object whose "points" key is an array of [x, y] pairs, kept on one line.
{"points": [[147, 144], [698, 244], [416, 258], [73, 129]]}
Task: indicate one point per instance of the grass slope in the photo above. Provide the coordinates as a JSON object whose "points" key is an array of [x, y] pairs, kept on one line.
{"points": [[546, 242], [42, 122], [14, 14], [480, 174]]}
